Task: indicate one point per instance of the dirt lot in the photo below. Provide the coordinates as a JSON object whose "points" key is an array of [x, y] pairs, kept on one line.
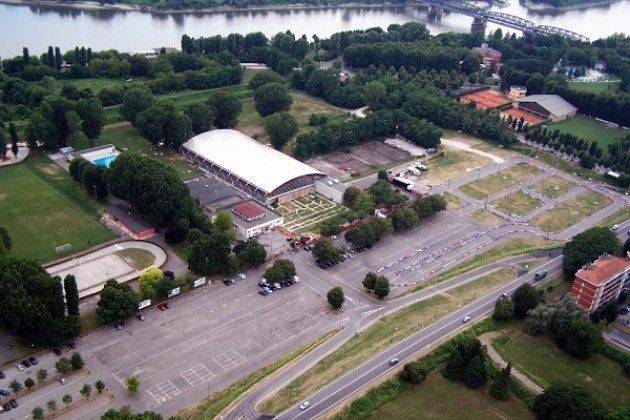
{"points": [[359, 159]]}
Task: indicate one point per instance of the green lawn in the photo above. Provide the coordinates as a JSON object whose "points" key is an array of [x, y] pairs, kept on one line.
{"points": [[129, 138], [541, 360], [595, 87], [571, 211], [439, 398], [43, 208], [553, 187], [591, 130], [500, 180], [517, 203], [96, 84]]}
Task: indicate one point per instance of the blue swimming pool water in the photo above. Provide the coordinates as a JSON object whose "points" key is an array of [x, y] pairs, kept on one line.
{"points": [[104, 161]]}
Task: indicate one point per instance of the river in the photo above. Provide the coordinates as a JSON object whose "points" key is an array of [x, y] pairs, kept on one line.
{"points": [[40, 26]]}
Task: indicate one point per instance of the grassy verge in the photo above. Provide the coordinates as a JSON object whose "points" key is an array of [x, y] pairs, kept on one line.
{"points": [[436, 397], [212, 406], [553, 186], [511, 248], [451, 164], [381, 335], [89, 322], [617, 217], [542, 361], [559, 163]]}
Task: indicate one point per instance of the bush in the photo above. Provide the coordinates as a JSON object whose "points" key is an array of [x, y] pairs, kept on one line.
{"points": [[271, 98], [369, 281], [568, 401], [76, 361], [335, 298], [414, 372], [581, 338], [381, 287], [525, 297], [503, 310]]}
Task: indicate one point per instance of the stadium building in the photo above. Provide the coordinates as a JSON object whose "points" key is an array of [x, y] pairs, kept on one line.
{"points": [[262, 172]]}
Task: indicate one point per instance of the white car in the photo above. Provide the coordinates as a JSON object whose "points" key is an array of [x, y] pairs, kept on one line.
{"points": [[242, 276], [305, 405], [466, 319], [296, 279], [19, 367]]}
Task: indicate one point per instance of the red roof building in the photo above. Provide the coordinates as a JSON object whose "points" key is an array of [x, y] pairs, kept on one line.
{"points": [[601, 282], [248, 211]]}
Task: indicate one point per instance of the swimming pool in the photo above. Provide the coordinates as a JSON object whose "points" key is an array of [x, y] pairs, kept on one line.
{"points": [[104, 161]]}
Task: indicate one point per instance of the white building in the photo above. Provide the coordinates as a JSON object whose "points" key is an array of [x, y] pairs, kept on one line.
{"points": [[331, 189], [251, 219]]}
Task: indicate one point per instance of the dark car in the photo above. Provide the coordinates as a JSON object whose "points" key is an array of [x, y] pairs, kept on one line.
{"points": [[26, 363], [1, 375], [140, 317], [229, 282], [5, 392], [622, 311], [57, 351], [71, 344], [32, 360], [6, 406], [13, 403]]}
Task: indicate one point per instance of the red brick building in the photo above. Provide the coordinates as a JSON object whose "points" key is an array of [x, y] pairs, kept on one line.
{"points": [[601, 282]]}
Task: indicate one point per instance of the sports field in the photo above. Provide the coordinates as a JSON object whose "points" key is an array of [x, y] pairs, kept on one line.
{"points": [[596, 86], [591, 130], [43, 208], [500, 180], [571, 211]]}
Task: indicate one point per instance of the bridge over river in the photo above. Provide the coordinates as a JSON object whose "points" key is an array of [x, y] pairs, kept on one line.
{"points": [[481, 16]]}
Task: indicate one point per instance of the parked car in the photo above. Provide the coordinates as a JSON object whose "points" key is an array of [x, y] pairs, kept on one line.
{"points": [[57, 351], [19, 367], [6, 407], [263, 283], [277, 286], [229, 282], [305, 405], [296, 279], [1, 375], [622, 311], [119, 327], [26, 363], [5, 392], [13, 403], [615, 227], [393, 361], [70, 344], [242, 276], [263, 292], [32, 360], [140, 317], [63, 381]]}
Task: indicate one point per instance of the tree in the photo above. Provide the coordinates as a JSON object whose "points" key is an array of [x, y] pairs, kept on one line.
{"points": [[282, 271], [335, 298], [99, 385], [52, 405], [225, 107], [350, 194], [86, 391], [568, 401], [42, 374], [280, 127], [118, 301], [581, 338], [14, 139], [92, 117], [525, 297], [5, 238], [67, 399], [162, 123], [3, 144], [326, 251], [251, 254], [76, 361], [126, 414], [414, 373], [134, 101], [503, 310], [72, 294], [382, 174], [133, 384], [178, 231], [500, 389], [201, 117], [374, 94], [381, 287], [369, 281], [264, 77], [474, 375], [37, 413], [15, 386], [272, 97], [63, 365], [29, 383], [586, 247], [404, 218], [149, 281]]}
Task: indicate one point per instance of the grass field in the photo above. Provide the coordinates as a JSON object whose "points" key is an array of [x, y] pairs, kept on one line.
{"points": [[553, 186], [591, 130], [43, 208], [439, 398], [517, 203], [617, 217], [571, 211], [543, 362], [130, 139], [595, 87], [499, 181], [487, 218], [451, 164], [381, 335]]}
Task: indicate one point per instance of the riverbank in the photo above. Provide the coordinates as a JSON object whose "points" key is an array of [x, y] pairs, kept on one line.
{"points": [[542, 7], [92, 5]]}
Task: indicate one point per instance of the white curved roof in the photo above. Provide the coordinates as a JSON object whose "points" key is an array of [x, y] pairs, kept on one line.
{"points": [[260, 165]]}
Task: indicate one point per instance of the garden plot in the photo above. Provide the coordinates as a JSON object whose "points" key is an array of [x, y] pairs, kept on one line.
{"points": [[305, 213]]}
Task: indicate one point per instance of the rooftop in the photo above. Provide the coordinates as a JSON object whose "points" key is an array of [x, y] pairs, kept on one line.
{"points": [[485, 99], [603, 269], [213, 193], [129, 218], [552, 103], [261, 166], [260, 214], [248, 211]]}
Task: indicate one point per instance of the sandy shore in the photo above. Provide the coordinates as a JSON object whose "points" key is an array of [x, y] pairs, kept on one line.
{"points": [[90, 5], [541, 7]]}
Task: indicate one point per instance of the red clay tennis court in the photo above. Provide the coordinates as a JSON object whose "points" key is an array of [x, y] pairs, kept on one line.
{"points": [[516, 114], [485, 99]]}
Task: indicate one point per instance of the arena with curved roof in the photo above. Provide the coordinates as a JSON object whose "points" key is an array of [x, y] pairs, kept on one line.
{"points": [[259, 170]]}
